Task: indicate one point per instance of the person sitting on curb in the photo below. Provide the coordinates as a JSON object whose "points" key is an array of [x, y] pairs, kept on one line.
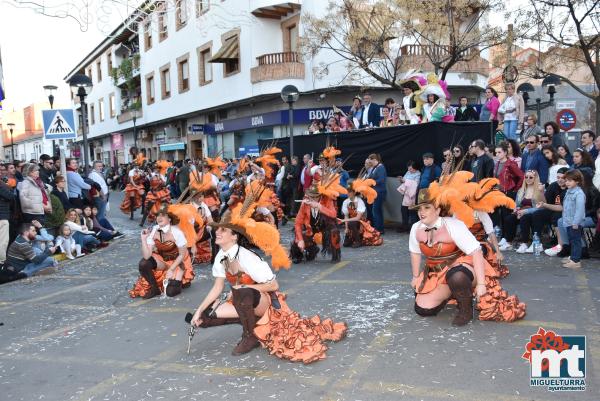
{"points": [[23, 257]]}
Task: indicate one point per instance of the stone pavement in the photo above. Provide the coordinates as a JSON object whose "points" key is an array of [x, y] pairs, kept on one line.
{"points": [[74, 334]]}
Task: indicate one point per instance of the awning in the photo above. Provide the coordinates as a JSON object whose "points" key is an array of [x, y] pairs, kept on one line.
{"points": [[172, 146], [229, 51]]}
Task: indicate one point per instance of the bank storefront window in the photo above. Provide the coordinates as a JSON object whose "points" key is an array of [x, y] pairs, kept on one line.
{"points": [[247, 138]]}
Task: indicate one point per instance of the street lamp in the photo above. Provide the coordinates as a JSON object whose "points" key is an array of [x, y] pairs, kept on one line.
{"points": [[81, 85], [551, 81], [11, 126], [49, 91], [290, 95]]}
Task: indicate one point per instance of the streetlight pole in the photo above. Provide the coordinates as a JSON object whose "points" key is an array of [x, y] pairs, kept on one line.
{"points": [[11, 126], [81, 86], [50, 89], [290, 94], [134, 128]]}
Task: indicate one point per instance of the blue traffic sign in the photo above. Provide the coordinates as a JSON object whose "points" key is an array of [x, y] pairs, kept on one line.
{"points": [[59, 124], [566, 119]]}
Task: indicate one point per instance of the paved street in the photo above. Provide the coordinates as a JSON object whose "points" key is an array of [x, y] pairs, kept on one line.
{"points": [[74, 334]]}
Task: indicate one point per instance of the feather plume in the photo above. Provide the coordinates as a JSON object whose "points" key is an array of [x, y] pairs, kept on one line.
{"points": [[365, 188], [187, 214], [163, 166], [140, 159], [216, 165], [200, 181]]}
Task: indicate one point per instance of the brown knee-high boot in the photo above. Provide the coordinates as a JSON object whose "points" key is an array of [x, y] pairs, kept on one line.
{"points": [[208, 321], [244, 301], [461, 286]]}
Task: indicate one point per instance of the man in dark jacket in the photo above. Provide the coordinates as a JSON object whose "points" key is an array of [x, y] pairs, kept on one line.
{"points": [[464, 112], [47, 171], [183, 176], [6, 198], [483, 165], [286, 189], [294, 182], [534, 160], [371, 115]]}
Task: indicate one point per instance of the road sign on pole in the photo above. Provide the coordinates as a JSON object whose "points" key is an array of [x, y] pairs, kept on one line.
{"points": [[59, 124], [566, 119]]}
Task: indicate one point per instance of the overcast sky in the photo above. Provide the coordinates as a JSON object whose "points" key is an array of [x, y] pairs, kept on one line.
{"points": [[39, 50]]}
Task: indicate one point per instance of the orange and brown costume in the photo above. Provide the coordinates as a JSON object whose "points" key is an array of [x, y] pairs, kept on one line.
{"points": [[133, 194], [360, 232], [311, 223], [158, 196], [165, 252]]}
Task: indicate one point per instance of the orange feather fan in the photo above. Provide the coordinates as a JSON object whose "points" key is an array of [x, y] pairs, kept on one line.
{"points": [[365, 188], [262, 194], [163, 165], [331, 153], [267, 159], [242, 165]]}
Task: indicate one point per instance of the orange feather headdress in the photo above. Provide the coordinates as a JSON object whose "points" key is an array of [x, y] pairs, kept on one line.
{"points": [[261, 234], [200, 182], [187, 215], [267, 159], [215, 165], [140, 159], [327, 182], [365, 188], [463, 198], [163, 165]]}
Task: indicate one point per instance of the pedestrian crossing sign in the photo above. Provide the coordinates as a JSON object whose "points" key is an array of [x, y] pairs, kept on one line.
{"points": [[59, 124]]}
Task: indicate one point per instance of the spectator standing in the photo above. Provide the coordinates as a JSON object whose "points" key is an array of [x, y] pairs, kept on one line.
{"points": [[285, 189], [489, 110], [60, 192], [552, 130], [344, 178], [306, 176], [573, 215], [294, 180], [183, 176], [464, 112], [357, 111], [482, 166], [587, 143], [431, 172], [47, 170], [101, 198], [379, 175], [533, 159], [7, 197], [386, 120], [333, 126], [33, 196], [431, 99], [23, 257], [530, 127], [390, 104], [370, 112], [596, 178], [409, 184], [75, 184], [19, 169], [512, 111]]}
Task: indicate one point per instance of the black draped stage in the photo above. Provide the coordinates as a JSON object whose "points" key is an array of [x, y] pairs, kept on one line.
{"points": [[396, 145]]}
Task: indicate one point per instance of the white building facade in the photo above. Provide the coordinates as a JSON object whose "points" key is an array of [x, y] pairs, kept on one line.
{"points": [[206, 78]]}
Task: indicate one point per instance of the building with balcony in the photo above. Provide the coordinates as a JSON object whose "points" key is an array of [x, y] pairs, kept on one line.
{"points": [[199, 77], [27, 139]]}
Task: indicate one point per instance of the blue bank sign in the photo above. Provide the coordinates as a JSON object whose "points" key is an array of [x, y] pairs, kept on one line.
{"points": [[280, 117]]}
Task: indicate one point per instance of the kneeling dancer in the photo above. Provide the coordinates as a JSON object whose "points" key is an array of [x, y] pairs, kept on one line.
{"points": [[254, 300], [165, 258]]}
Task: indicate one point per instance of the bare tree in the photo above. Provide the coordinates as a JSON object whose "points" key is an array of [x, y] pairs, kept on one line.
{"points": [[570, 29], [364, 36], [452, 31]]}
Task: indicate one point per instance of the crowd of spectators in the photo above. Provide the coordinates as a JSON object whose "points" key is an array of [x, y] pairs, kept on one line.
{"points": [[43, 220]]}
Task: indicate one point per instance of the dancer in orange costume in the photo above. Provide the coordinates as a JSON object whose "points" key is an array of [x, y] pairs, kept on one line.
{"points": [[455, 267], [317, 214], [254, 300], [157, 196], [133, 192], [359, 231], [165, 259], [201, 252]]}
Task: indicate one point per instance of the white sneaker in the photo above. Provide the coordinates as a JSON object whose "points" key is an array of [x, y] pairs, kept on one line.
{"points": [[554, 250], [522, 248], [529, 249], [506, 247], [502, 242]]}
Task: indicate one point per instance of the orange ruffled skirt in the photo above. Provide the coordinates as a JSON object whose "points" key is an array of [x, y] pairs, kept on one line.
{"points": [[496, 305], [369, 235], [131, 192], [156, 198], [289, 336], [142, 287]]}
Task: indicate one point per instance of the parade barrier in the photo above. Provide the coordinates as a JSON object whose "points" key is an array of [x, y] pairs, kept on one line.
{"points": [[396, 145]]}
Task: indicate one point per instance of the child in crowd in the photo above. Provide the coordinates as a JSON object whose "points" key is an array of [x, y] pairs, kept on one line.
{"points": [[88, 221], [67, 243], [103, 225], [409, 185], [573, 214]]}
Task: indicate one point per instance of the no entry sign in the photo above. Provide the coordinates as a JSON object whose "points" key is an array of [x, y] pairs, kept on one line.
{"points": [[566, 119]]}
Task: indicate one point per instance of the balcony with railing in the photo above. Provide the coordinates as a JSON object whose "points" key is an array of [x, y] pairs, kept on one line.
{"points": [[275, 66], [419, 56]]}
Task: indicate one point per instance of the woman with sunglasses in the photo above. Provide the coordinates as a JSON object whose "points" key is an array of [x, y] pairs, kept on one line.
{"points": [[458, 153], [530, 193], [556, 163]]}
